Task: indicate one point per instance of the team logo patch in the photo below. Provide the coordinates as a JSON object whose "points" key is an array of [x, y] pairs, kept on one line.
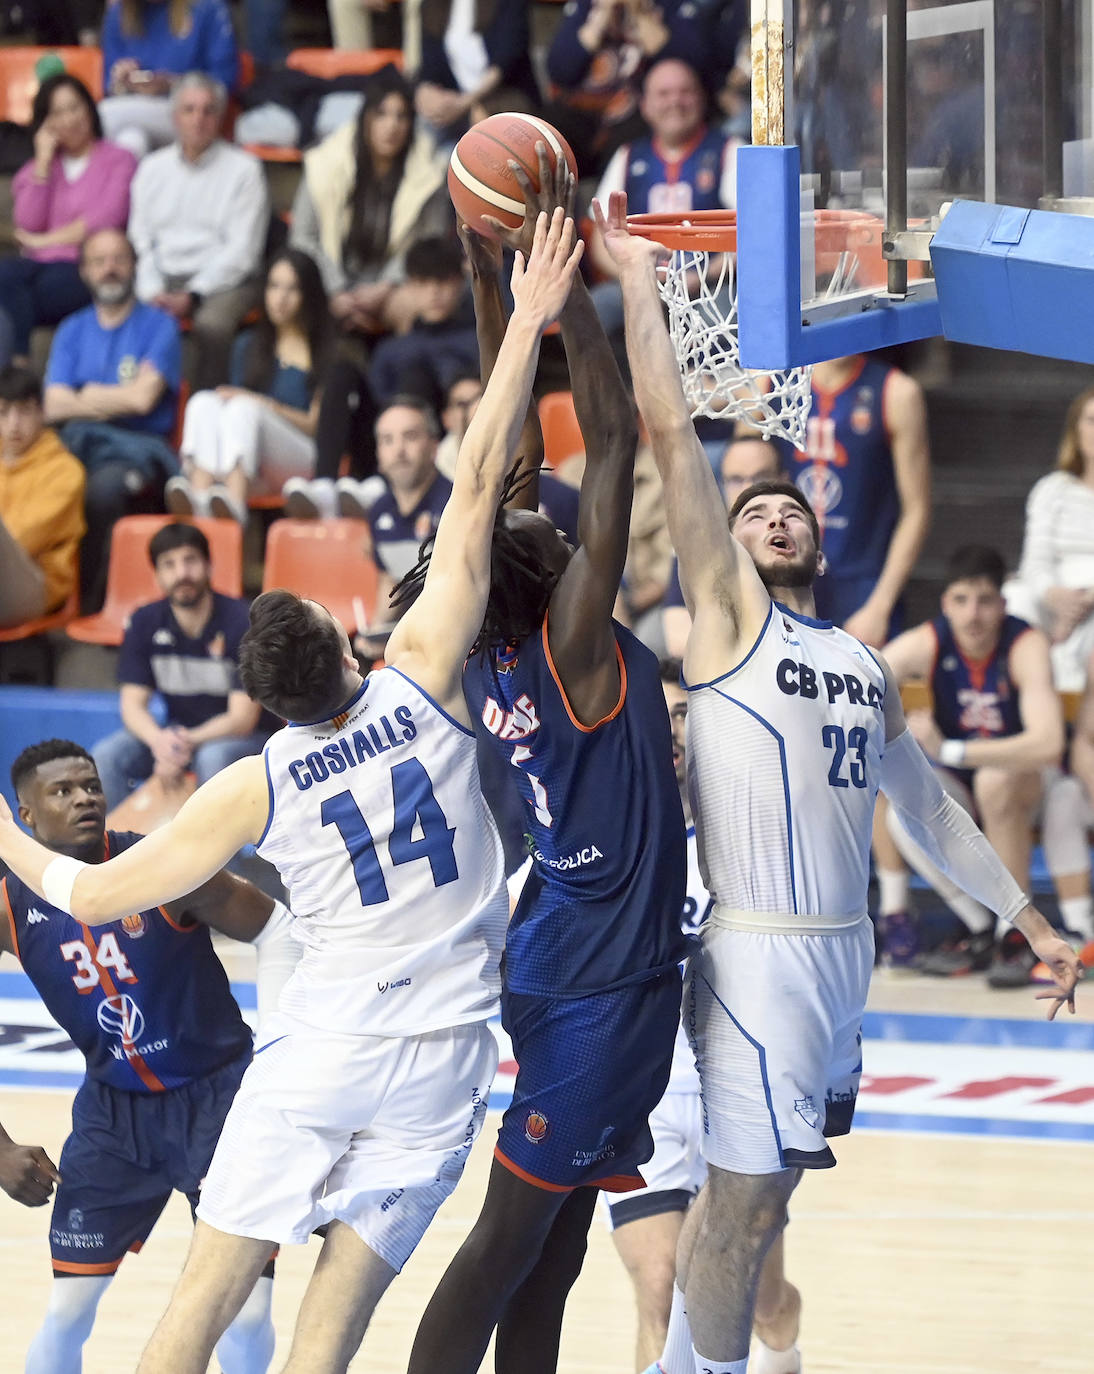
{"points": [[217, 645], [35, 917], [424, 526], [134, 926], [120, 1015], [75, 1220], [536, 1127], [861, 420], [807, 1110]]}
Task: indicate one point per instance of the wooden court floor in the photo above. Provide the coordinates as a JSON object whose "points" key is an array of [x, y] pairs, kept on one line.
{"points": [[920, 1253]]}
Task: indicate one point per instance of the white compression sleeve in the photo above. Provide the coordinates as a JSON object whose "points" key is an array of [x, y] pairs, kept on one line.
{"points": [[277, 956], [945, 831]]}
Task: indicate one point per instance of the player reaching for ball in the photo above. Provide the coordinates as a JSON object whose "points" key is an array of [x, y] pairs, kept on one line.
{"points": [[591, 984], [793, 725], [372, 1081]]}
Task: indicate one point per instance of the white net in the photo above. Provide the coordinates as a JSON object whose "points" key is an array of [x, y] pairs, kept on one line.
{"points": [[700, 291]]}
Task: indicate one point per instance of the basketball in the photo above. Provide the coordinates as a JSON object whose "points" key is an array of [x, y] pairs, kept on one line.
{"points": [[480, 181]]}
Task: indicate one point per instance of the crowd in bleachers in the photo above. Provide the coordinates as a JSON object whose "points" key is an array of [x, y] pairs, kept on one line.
{"points": [[213, 358]]}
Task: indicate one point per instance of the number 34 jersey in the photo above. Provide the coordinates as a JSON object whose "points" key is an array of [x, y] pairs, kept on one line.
{"points": [[393, 863], [144, 999], [784, 756]]}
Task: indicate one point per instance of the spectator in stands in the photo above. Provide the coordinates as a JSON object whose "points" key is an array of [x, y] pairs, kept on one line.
{"points": [[441, 342], [370, 190], [147, 45], [408, 509], [866, 471], [199, 222], [469, 50], [747, 459], [351, 23], [1056, 574], [76, 183], [994, 726], [112, 385], [251, 435], [596, 61], [460, 402], [681, 165], [41, 505], [186, 648]]}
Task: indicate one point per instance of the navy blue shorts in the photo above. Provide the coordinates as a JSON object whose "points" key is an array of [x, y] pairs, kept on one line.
{"points": [[126, 1155], [589, 1072]]}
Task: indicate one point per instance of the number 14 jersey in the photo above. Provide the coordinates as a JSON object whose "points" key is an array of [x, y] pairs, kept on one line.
{"points": [[393, 863], [784, 756]]}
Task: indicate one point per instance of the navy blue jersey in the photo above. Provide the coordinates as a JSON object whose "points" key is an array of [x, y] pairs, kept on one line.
{"points": [[694, 180], [194, 676], [846, 472], [396, 538], [145, 1000], [975, 698], [606, 828]]}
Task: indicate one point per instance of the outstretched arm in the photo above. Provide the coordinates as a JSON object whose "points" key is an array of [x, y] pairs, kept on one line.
{"points": [[227, 812], [433, 639], [724, 594], [953, 842]]}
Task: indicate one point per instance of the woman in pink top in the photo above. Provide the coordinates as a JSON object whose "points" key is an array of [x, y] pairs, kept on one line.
{"points": [[75, 184]]}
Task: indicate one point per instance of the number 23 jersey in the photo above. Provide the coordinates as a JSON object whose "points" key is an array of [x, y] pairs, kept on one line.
{"points": [[784, 758], [144, 999], [394, 866]]}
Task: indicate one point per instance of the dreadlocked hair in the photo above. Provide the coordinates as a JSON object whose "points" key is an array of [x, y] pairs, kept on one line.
{"points": [[520, 582]]}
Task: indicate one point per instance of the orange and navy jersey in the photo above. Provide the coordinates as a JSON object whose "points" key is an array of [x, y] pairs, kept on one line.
{"points": [[144, 999], [846, 472], [604, 823], [975, 698]]}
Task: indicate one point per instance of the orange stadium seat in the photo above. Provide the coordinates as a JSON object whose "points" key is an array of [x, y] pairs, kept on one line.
{"points": [[327, 561], [332, 62], [18, 83], [55, 620], [131, 582], [562, 437]]}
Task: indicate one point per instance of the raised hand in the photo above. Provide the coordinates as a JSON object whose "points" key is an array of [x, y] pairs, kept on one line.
{"points": [[625, 249], [542, 283], [557, 187], [483, 254]]}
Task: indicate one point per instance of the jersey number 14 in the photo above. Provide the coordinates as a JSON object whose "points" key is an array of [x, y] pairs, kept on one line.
{"points": [[415, 806]]}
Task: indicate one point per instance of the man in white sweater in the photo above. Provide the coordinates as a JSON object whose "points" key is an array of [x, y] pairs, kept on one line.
{"points": [[198, 222]]}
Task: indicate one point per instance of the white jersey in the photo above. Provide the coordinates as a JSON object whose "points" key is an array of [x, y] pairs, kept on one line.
{"points": [[394, 867], [684, 1076], [784, 756]]}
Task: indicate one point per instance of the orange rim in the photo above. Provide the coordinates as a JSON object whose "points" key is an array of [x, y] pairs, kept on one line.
{"points": [[715, 231]]}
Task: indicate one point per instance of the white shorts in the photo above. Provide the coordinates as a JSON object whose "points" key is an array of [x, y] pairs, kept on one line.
{"points": [[775, 1021], [675, 1172], [368, 1130]]}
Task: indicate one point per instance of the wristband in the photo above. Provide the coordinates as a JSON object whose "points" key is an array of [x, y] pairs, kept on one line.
{"points": [[59, 879], [952, 753]]}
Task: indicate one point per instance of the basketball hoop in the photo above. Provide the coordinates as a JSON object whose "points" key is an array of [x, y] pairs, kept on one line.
{"points": [[699, 288]]}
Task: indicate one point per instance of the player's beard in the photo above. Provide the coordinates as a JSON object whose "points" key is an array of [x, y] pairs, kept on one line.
{"points": [[799, 573]]}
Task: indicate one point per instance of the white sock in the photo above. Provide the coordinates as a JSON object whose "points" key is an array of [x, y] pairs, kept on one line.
{"points": [[705, 1366], [57, 1347], [678, 1357], [769, 1361], [892, 884], [1078, 915], [247, 1346]]}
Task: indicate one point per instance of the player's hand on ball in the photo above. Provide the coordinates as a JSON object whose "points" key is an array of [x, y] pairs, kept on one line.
{"points": [[27, 1174], [625, 249], [557, 187], [541, 284], [483, 254], [1066, 968]]}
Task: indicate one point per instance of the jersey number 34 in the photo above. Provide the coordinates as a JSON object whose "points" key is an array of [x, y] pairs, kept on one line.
{"points": [[415, 806]]}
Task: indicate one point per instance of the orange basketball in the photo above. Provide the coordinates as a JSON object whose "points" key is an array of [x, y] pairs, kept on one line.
{"points": [[480, 181]]}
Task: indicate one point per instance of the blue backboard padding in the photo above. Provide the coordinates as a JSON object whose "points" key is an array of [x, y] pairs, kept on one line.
{"points": [[32, 714], [769, 311], [1017, 279]]}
